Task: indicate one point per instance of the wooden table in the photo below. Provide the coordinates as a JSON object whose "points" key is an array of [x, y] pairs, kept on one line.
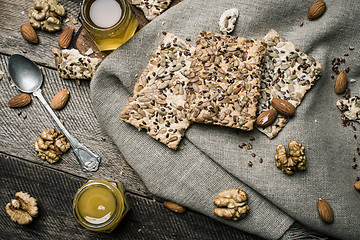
{"points": [[54, 185]]}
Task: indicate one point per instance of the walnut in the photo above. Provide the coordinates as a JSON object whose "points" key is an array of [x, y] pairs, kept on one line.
{"points": [[295, 162], [232, 204], [22, 209], [46, 15], [51, 145]]}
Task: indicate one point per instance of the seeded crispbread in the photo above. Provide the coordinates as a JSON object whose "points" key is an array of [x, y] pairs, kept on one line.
{"points": [[224, 82], [288, 74], [152, 8], [71, 64], [158, 104], [350, 108]]}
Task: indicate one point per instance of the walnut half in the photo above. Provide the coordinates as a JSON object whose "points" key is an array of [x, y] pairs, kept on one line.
{"points": [[22, 209], [232, 204], [51, 145], [295, 162]]}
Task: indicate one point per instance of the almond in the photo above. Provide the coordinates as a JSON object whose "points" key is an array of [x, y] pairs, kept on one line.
{"points": [[283, 107], [20, 100], [316, 10], [60, 99], [65, 37], [325, 211], [341, 83], [357, 185], [174, 207], [29, 33], [266, 118]]}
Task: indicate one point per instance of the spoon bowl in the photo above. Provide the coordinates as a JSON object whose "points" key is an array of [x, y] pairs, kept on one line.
{"points": [[26, 76]]}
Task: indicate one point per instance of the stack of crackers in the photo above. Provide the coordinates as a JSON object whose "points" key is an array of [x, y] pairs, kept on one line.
{"points": [[225, 80]]}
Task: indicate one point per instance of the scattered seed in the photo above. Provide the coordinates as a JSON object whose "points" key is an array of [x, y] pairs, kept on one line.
{"points": [[347, 69], [253, 155], [25, 116], [19, 114], [103, 139], [9, 78], [260, 160], [357, 178], [351, 48], [354, 128], [332, 76], [188, 39], [250, 163], [249, 146], [354, 166], [301, 24], [164, 33], [252, 139], [346, 54], [354, 159], [355, 136]]}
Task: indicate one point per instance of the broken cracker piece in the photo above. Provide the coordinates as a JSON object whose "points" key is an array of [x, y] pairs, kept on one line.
{"points": [[224, 82], [288, 74], [228, 20], [350, 108], [158, 104], [71, 64], [152, 8]]}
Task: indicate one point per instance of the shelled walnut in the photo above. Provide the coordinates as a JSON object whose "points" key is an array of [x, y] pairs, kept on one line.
{"points": [[46, 15], [295, 162], [22, 209], [51, 145], [232, 204]]}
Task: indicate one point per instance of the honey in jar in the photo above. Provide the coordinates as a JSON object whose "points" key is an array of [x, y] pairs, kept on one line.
{"points": [[110, 23], [100, 205]]}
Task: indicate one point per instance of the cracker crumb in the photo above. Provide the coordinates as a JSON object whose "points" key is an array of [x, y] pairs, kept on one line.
{"points": [[89, 52], [352, 80]]}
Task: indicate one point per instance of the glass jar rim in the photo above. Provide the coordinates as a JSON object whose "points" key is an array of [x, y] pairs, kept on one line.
{"points": [[122, 19]]}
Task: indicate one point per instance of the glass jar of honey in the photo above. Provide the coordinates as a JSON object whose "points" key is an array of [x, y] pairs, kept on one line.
{"points": [[110, 23], [100, 205]]}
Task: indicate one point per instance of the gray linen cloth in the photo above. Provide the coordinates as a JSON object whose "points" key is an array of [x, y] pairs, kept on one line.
{"points": [[209, 160]]}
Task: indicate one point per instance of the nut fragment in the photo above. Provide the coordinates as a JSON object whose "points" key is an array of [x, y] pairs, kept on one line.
{"points": [[29, 33], [325, 211], [65, 37], [20, 100], [316, 10], [46, 15], [51, 145], [295, 162], [60, 99], [341, 83], [232, 204], [266, 118], [283, 107], [357, 185], [22, 209], [174, 207]]}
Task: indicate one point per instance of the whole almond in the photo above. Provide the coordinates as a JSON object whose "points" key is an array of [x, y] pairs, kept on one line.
{"points": [[266, 118], [175, 207], [357, 185], [325, 211], [316, 10], [60, 99], [283, 107], [20, 100], [341, 83], [29, 33], [65, 37]]}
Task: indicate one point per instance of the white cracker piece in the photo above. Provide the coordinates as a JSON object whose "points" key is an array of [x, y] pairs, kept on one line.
{"points": [[288, 74], [350, 108], [228, 20], [152, 8], [71, 64], [159, 101], [225, 80]]}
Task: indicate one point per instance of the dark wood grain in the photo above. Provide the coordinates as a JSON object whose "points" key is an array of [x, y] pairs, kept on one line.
{"points": [[54, 192]]}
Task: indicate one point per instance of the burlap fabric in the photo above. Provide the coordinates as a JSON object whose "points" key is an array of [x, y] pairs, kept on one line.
{"points": [[209, 159]]}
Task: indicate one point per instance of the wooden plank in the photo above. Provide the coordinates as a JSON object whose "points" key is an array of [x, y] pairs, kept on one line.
{"points": [[17, 135], [54, 191], [15, 13]]}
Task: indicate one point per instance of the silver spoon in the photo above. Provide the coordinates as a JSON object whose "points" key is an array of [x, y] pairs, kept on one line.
{"points": [[28, 78]]}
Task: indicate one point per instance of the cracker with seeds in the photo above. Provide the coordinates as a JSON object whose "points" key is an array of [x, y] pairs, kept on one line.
{"points": [[350, 108], [159, 100], [71, 64], [288, 74], [152, 8], [224, 82]]}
